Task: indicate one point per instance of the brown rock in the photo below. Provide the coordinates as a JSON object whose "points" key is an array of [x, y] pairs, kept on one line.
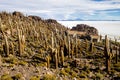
{"points": [[19, 14], [51, 21], [86, 28], [36, 18]]}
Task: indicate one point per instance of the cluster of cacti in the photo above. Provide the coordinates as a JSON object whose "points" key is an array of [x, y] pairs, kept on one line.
{"points": [[55, 45], [21, 42]]}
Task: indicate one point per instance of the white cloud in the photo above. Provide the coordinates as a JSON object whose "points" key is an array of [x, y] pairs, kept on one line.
{"points": [[51, 8]]}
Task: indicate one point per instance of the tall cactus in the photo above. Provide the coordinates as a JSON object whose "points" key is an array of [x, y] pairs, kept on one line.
{"points": [[119, 51], [116, 55], [100, 38], [62, 56], [11, 29], [58, 54], [72, 49], [68, 38], [76, 46], [6, 46], [48, 62], [87, 46], [12, 48], [91, 46], [52, 47], [110, 46], [56, 59], [107, 54], [52, 38]]}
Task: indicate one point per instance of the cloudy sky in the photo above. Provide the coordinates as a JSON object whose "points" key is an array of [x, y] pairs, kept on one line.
{"points": [[65, 9]]}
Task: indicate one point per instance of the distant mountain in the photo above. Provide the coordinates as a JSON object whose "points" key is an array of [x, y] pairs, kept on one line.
{"points": [[86, 20], [72, 19]]}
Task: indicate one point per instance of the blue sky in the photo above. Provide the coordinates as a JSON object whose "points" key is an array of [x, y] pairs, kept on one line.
{"points": [[65, 9]]}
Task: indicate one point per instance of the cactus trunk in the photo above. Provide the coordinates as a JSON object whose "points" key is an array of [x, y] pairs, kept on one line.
{"points": [[107, 54], [6, 46], [56, 59]]}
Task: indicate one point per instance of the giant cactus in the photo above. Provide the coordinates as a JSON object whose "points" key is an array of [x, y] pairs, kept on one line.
{"points": [[107, 54]]}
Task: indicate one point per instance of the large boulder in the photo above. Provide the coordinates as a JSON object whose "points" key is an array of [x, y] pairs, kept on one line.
{"points": [[86, 28]]}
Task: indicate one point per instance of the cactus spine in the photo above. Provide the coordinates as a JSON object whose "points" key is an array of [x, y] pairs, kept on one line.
{"points": [[107, 54]]}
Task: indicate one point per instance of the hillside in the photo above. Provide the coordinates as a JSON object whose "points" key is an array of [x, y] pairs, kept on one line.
{"points": [[32, 48]]}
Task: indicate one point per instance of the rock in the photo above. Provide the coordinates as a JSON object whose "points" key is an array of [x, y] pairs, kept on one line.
{"points": [[19, 14], [51, 21], [86, 28], [36, 18]]}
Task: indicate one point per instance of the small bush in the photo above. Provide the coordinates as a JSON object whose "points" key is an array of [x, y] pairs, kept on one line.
{"points": [[35, 78], [62, 72], [17, 76], [99, 76], [83, 74], [49, 77], [11, 59], [6, 77], [23, 63]]}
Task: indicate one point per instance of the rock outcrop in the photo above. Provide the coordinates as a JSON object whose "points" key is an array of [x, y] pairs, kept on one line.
{"points": [[36, 18], [86, 28], [18, 14], [51, 21]]}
